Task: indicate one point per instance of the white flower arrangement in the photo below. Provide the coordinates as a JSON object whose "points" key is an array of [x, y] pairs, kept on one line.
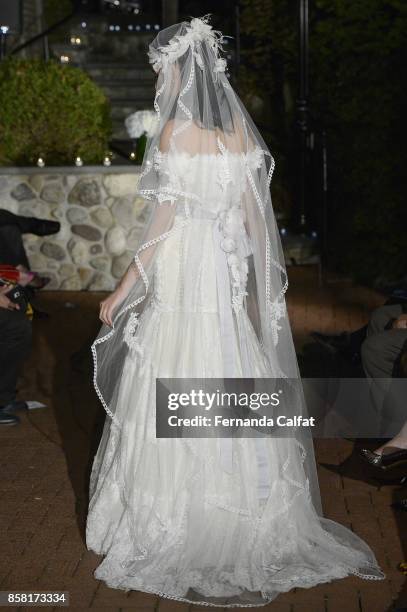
{"points": [[141, 122]]}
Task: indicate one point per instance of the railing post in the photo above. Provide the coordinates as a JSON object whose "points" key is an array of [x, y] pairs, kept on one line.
{"points": [[39, 7], [3, 42], [169, 10], [302, 107]]}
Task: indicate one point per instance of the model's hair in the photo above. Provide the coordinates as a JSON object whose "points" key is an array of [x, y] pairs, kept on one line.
{"points": [[220, 115]]}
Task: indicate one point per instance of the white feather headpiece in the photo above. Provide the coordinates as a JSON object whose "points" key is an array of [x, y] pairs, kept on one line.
{"points": [[198, 30]]}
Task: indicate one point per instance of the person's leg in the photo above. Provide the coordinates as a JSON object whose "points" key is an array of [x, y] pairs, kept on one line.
{"points": [[380, 352], [15, 343], [381, 318], [399, 440], [356, 338]]}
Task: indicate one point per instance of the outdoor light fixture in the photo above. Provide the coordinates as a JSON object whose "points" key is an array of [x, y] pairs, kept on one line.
{"points": [[40, 162], [4, 29], [64, 59], [84, 24], [107, 161], [157, 26], [78, 161], [132, 156]]}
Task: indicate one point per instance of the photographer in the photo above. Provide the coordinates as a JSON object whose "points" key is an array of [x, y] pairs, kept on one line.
{"points": [[11, 229], [15, 344]]}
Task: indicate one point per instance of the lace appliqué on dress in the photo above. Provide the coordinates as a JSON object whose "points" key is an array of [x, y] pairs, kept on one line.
{"points": [[235, 244], [130, 334]]}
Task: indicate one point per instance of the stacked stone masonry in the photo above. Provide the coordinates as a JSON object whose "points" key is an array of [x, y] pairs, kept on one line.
{"points": [[101, 222]]}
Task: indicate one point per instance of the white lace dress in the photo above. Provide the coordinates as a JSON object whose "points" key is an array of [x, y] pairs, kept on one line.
{"points": [[167, 518]]}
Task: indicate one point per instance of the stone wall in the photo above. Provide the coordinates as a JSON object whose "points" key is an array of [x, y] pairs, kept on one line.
{"points": [[101, 220]]}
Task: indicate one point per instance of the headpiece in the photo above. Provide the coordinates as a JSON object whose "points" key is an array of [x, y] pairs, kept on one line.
{"points": [[197, 31]]}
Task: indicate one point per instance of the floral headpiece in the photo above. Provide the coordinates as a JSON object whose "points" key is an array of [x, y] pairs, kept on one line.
{"points": [[198, 30]]}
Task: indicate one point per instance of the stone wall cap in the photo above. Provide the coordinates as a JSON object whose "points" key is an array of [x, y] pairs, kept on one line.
{"points": [[74, 170]]}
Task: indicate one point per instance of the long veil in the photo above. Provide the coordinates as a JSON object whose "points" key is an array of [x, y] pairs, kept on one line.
{"points": [[200, 117], [198, 113]]}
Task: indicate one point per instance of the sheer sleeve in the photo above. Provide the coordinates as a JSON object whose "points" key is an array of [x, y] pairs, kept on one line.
{"points": [[158, 227]]}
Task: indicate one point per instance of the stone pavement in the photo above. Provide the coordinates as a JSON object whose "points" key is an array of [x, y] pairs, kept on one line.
{"points": [[45, 465]]}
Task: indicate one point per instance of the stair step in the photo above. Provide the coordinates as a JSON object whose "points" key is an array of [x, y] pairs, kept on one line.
{"points": [[109, 82], [122, 105], [117, 93], [122, 64], [120, 134], [116, 61], [115, 72]]}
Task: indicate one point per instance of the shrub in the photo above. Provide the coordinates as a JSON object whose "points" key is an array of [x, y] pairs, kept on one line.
{"points": [[50, 110]]}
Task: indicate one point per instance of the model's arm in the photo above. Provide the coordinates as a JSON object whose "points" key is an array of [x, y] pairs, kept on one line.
{"points": [[160, 223]]}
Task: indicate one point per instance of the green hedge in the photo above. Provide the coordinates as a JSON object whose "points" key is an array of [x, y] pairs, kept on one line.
{"points": [[50, 110]]}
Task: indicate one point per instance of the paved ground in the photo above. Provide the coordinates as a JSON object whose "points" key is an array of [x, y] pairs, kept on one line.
{"points": [[45, 466]]}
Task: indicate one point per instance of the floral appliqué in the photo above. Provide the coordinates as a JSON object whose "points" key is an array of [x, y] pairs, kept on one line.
{"points": [[130, 333], [235, 243]]}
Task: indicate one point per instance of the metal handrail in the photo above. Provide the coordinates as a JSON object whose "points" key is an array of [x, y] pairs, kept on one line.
{"points": [[44, 33]]}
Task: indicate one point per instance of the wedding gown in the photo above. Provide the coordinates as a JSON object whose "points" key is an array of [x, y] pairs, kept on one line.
{"points": [[166, 515]]}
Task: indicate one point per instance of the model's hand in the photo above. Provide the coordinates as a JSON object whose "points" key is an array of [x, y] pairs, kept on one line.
{"points": [[109, 305], [5, 302], [400, 322]]}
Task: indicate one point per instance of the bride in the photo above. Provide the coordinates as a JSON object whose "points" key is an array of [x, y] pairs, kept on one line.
{"points": [[232, 521]]}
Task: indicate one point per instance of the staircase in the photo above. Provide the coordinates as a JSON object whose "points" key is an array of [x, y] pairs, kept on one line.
{"points": [[116, 59], [129, 87]]}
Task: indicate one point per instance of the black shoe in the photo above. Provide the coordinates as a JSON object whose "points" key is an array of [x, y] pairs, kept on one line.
{"points": [[8, 419], [14, 406], [43, 227], [20, 405], [391, 457]]}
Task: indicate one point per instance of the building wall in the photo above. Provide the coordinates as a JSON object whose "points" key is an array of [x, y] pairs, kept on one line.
{"points": [[101, 222]]}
